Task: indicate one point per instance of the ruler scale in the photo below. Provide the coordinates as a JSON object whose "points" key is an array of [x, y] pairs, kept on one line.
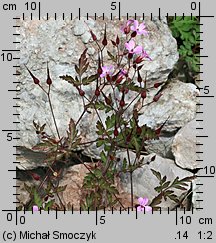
{"points": [[103, 225]]}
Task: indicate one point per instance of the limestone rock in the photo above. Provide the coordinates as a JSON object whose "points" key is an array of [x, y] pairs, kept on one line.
{"points": [[161, 147], [60, 42], [177, 104], [184, 146]]}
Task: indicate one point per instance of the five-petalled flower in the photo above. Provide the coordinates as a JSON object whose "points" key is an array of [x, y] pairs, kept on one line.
{"points": [[106, 70], [130, 46], [143, 205], [140, 29]]}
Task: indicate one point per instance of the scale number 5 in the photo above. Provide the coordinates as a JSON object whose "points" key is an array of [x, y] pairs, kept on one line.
{"points": [[113, 5]]}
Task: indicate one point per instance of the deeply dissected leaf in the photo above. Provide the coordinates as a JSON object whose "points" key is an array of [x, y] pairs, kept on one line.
{"points": [[173, 197], [88, 80], [46, 146], [100, 128], [180, 187], [165, 185], [157, 174], [83, 64], [71, 131], [70, 79], [110, 122], [42, 127], [103, 157], [156, 201], [112, 57], [136, 144], [100, 143]]}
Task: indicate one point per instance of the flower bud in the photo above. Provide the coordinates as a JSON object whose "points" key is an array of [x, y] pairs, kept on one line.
{"points": [[127, 30], [122, 103], [108, 77], [134, 34], [128, 138], [113, 42], [116, 132], [104, 41], [117, 40], [139, 130], [97, 92], [139, 59], [108, 101], [156, 85], [49, 81], [139, 78], [143, 94], [99, 71], [130, 55], [93, 36], [36, 80], [119, 79], [81, 92], [157, 97]]}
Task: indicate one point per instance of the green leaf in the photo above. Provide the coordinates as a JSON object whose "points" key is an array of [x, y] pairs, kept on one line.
{"points": [[113, 58], [42, 127], [124, 164], [46, 146], [77, 69], [165, 185], [110, 122], [61, 188], [158, 189], [88, 80], [157, 174], [70, 79], [180, 187], [100, 128], [100, 143], [156, 201], [103, 157], [100, 105], [112, 190], [173, 197], [136, 144], [71, 133], [37, 200]]}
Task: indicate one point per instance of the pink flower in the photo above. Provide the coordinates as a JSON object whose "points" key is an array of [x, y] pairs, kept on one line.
{"points": [[123, 72], [144, 54], [106, 70], [143, 202], [35, 208], [130, 46], [126, 27], [139, 29]]}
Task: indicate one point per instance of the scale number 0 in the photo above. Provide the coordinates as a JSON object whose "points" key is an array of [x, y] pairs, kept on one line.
{"points": [[20, 218]]}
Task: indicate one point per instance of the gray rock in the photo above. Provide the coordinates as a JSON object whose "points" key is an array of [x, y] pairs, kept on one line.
{"points": [[177, 104], [29, 159], [184, 146], [55, 41], [144, 181], [161, 147]]}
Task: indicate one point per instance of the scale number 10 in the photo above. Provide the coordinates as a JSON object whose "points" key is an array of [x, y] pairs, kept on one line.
{"points": [[32, 6]]}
